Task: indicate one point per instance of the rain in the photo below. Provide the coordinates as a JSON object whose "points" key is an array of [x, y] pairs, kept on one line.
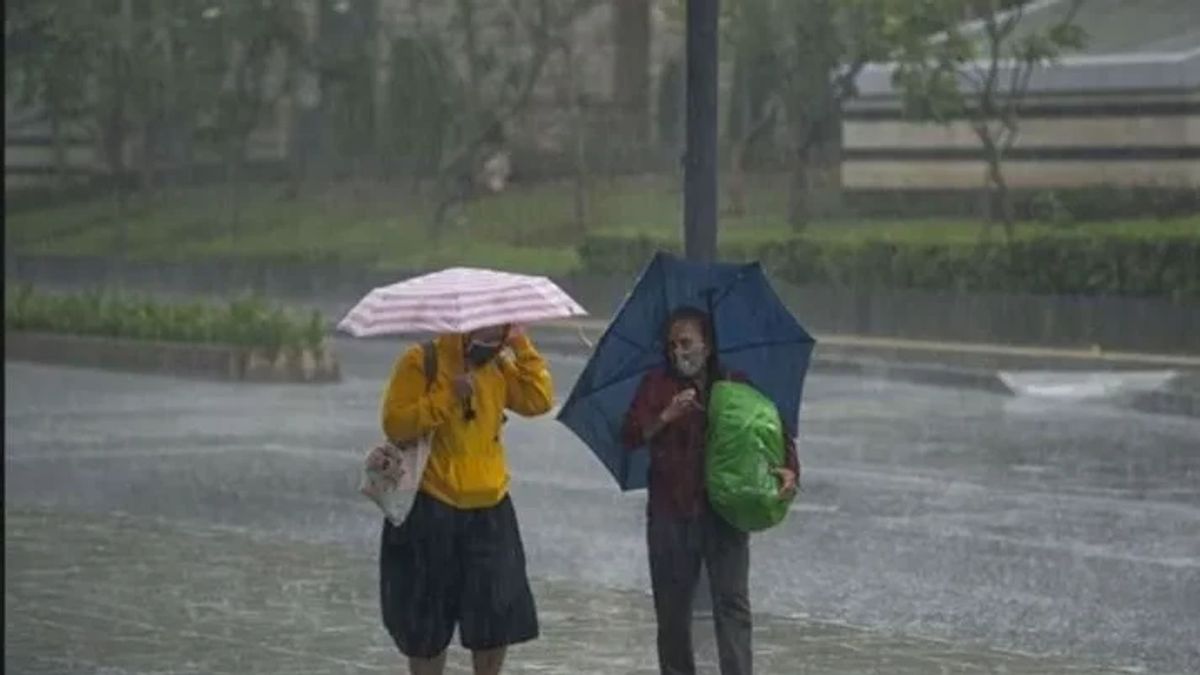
{"points": [[964, 235]]}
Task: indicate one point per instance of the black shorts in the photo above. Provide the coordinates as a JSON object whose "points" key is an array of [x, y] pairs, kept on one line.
{"points": [[445, 567]]}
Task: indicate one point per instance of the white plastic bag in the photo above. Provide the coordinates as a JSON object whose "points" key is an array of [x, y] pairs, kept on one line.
{"points": [[391, 475]]}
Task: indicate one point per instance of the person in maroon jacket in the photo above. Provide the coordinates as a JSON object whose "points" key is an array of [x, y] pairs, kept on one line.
{"points": [[668, 415]]}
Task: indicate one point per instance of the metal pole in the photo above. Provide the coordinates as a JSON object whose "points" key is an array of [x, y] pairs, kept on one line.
{"points": [[700, 171], [700, 160]]}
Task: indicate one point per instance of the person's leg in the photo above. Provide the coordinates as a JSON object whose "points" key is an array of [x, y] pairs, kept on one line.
{"points": [[674, 568], [497, 605], [434, 666], [727, 559], [489, 661], [418, 579]]}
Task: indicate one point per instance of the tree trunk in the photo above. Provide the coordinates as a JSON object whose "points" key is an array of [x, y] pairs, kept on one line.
{"points": [[383, 76], [996, 199], [631, 70], [737, 178], [825, 160], [146, 160], [741, 110], [799, 210], [582, 177], [58, 145], [114, 143], [800, 186], [740, 158], [466, 10], [234, 158], [582, 182], [453, 189], [1001, 199]]}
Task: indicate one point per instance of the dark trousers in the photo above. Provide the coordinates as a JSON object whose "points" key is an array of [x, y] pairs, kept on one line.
{"points": [[677, 547], [447, 567]]}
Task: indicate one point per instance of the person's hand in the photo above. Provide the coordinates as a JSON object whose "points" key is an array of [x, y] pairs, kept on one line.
{"points": [[378, 460], [464, 386], [684, 402], [384, 462], [787, 482]]}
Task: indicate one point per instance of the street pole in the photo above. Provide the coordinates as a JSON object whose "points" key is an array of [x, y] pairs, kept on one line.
{"points": [[700, 160], [700, 171]]}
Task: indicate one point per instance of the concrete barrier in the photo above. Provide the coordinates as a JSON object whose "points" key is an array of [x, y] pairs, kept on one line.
{"points": [[219, 362]]}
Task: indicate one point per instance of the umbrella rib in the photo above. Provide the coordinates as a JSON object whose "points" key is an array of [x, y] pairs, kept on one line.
{"points": [[617, 380], [729, 289], [626, 340]]}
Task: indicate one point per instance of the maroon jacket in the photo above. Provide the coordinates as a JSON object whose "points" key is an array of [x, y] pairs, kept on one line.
{"points": [[677, 453]]}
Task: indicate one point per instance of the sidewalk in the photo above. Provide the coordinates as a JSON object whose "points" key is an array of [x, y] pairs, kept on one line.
{"points": [[109, 594]]}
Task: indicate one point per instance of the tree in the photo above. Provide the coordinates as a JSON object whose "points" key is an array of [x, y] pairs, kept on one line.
{"points": [[251, 41], [632, 34], [422, 77], [577, 102], [755, 103], [51, 50], [495, 80], [980, 72], [797, 61], [347, 57]]}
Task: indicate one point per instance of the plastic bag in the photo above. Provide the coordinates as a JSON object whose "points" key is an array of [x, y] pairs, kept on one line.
{"points": [[745, 446], [392, 474]]}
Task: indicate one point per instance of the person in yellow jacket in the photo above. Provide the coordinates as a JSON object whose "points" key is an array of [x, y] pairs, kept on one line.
{"points": [[458, 558]]}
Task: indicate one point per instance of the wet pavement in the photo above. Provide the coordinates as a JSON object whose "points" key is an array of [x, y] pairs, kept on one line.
{"points": [[978, 522], [121, 594]]}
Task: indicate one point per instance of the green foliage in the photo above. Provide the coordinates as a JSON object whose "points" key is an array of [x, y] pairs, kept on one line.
{"points": [[1047, 206], [247, 36], [1064, 261], [804, 52], [245, 322], [927, 73], [530, 229], [1113, 202], [49, 51], [424, 89], [979, 71]]}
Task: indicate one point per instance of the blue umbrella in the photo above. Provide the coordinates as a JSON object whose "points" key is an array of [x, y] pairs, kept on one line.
{"points": [[755, 334]]}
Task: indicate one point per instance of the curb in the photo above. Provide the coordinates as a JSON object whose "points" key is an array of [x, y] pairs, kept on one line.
{"points": [[934, 375], [203, 361]]}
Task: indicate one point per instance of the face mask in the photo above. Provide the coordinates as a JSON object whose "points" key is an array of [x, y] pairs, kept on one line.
{"points": [[689, 362], [480, 354]]}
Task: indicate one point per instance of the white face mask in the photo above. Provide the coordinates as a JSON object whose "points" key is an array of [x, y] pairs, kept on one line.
{"points": [[689, 362]]}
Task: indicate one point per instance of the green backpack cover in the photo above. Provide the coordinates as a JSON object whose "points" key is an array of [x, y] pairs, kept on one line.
{"points": [[745, 446]]}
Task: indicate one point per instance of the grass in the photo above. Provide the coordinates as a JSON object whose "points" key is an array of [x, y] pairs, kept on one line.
{"points": [[247, 322], [526, 229]]}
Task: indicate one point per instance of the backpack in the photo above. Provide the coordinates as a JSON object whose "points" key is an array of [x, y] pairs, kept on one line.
{"points": [[429, 350]]}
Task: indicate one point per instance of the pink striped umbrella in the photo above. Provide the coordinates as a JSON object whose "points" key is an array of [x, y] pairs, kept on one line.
{"points": [[458, 300]]}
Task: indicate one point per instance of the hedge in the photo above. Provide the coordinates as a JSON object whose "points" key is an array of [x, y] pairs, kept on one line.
{"points": [[245, 322], [1052, 264]]}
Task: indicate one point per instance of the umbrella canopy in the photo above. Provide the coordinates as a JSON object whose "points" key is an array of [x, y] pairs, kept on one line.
{"points": [[755, 334], [458, 300]]}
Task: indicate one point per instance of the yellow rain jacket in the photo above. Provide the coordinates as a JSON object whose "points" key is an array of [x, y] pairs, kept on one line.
{"points": [[466, 468]]}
